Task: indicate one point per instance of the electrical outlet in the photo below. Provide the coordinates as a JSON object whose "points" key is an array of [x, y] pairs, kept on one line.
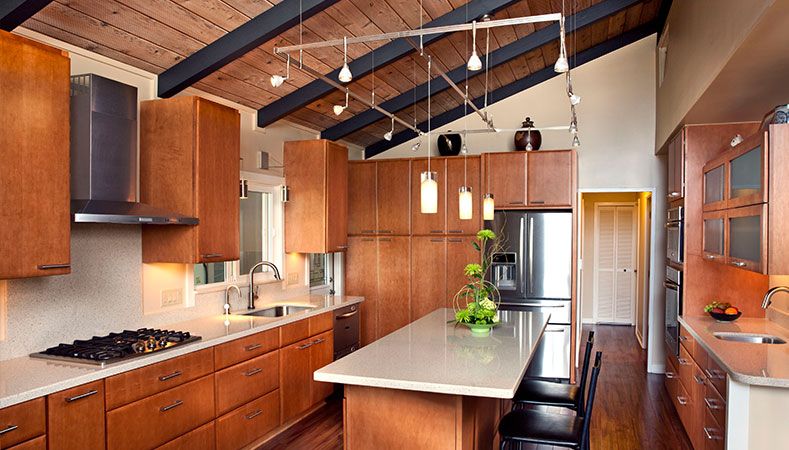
{"points": [[293, 278], [172, 297]]}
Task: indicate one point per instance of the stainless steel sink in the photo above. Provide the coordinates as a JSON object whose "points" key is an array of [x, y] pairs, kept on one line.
{"points": [[749, 337], [279, 311]]}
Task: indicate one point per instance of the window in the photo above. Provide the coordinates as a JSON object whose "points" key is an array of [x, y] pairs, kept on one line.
{"points": [[319, 269]]}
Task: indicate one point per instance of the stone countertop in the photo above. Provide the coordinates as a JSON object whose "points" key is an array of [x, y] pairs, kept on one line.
{"points": [[26, 378], [756, 364], [432, 355]]}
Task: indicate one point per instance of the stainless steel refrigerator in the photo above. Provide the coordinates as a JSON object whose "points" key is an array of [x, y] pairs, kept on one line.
{"points": [[533, 272]]}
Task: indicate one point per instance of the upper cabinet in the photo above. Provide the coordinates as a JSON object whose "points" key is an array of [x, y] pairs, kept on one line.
{"points": [[35, 221], [738, 177], [316, 214], [505, 178], [676, 166], [379, 197], [550, 178], [189, 162], [361, 198]]}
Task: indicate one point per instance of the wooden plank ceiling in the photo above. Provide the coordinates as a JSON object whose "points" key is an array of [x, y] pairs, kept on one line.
{"points": [[153, 35]]}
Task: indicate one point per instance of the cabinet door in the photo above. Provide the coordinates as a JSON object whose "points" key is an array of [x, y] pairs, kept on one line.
{"points": [[218, 153], [34, 166], [550, 178], [295, 379], [75, 418], [505, 178], [714, 185], [746, 229], [460, 252], [321, 354], [714, 236], [22, 422], [393, 194], [428, 275], [747, 172], [421, 223], [460, 171], [336, 198], [361, 278], [203, 438], [676, 167], [361, 198], [394, 283]]}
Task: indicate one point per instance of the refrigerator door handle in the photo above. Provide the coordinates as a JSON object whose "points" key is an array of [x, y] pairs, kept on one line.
{"points": [[531, 254], [521, 249]]}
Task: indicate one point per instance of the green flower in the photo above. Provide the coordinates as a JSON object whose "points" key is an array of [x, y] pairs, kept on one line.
{"points": [[485, 235], [488, 304], [473, 270]]}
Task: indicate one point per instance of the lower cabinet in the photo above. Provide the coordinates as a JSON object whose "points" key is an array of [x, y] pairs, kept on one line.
{"points": [[39, 443], [245, 381], [203, 438], [295, 379], [246, 424], [321, 354], [428, 275], [22, 422], [75, 418]]}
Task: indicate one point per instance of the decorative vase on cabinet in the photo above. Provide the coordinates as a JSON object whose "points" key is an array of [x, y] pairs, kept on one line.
{"points": [[528, 140]]}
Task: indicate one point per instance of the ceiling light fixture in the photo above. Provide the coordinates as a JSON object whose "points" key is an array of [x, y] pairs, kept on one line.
{"points": [[474, 63], [574, 99], [345, 73], [338, 109], [576, 141], [561, 65], [428, 189], [388, 135], [488, 207], [416, 146], [277, 80]]}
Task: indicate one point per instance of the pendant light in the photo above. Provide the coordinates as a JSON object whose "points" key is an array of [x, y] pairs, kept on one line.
{"points": [[345, 73], [576, 141], [488, 207], [277, 80], [561, 65], [429, 186], [388, 135], [465, 197], [338, 109], [474, 63]]}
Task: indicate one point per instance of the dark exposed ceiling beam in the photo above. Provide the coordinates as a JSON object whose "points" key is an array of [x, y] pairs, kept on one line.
{"points": [[520, 85], [14, 12], [362, 66], [498, 57], [264, 27]]}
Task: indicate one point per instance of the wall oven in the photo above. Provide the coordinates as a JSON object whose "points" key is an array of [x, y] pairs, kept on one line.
{"points": [[674, 235], [673, 285]]}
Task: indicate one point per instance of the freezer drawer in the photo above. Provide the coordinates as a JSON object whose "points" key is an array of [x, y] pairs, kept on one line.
{"points": [[560, 310], [551, 360]]}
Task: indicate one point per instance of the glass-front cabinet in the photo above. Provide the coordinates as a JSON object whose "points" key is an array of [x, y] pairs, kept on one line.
{"points": [[747, 172], [715, 185], [714, 236], [746, 237]]}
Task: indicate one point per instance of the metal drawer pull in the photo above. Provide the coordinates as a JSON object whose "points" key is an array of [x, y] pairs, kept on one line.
{"points": [[254, 414], [683, 338], [303, 346], [711, 403], [368, 231], [710, 257], [212, 255], [81, 396], [385, 231], [368, 240], [254, 371], [738, 264], [348, 314], [342, 247], [682, 400], [683, 361], [456, 231], [436, 231], [537, 202], [555, 331], [170, 376], [516, 203], [454, 240], [318, 341], [175, 404], [251, 347], [8, 429], [436, 240], [671, 375], [385, 240], [710, 436], [673, 195], [698, 379], [53, 266], [715, 374]]}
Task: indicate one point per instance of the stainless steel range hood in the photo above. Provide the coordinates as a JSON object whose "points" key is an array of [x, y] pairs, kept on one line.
{"points": [[104, 156]]}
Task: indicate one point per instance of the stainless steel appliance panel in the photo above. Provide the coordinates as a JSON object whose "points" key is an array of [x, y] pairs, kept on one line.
{"points": [[551, 360], [509, 226], [673, 286], [560, 310], [675, 235], [548, 243], [346, 331]]}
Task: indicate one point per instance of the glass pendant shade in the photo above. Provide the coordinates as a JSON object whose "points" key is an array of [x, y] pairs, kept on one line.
{"points": [[575, 99], [277, 80], [576, 141], [561, 65], [474, 63], [338, 109], [465, 203], [345, 74], [488, 207], [429, 193]]}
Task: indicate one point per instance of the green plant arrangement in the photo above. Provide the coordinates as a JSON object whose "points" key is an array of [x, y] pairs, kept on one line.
{"points": [[477, 302]]}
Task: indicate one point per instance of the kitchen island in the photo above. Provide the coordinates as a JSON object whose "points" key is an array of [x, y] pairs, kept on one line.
{"points": [[432, 384]]}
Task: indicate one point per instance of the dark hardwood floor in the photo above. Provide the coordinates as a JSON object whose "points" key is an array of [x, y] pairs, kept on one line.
{"points": [[632, 409]]}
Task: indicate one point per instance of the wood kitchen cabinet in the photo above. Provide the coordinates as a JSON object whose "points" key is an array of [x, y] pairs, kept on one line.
{"points": [[505, 177], [459, 171], [362, 198], [739, 176], [361, 278], [394, 283], [295, 379], [35, 222], [244, 425], [316, 214], [189, 162], [428, 275], [321, 354], [22, 422], [550, 178], [427, 224], [676, 166], [393, 197], [75, 418]]}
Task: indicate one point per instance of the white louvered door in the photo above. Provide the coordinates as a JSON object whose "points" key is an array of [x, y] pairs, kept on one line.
{"points": [[615, 261]]}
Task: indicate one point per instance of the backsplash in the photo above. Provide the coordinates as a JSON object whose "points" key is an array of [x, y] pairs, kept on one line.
{"points": [[102, 294]]}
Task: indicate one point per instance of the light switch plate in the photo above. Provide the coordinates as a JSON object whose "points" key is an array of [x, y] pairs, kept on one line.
{"points": [[172, 297], [293, 278]]}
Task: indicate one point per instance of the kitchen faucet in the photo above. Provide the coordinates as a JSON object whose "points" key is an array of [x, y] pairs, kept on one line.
{"points": [[227, 296], [769, 295], [252, 295]]}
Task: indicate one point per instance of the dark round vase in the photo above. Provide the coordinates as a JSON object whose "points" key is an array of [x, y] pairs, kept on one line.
{"points": [[449, 144], [523, 138]]}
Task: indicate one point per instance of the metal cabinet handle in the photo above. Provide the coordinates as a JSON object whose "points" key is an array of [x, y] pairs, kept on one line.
{"points": [[348, 314], [368, 231], [708, 432], [738, 264], [304, 346], [8, 429], [673, 195], [251, 347], [454, 240], [683, 338], [682, 400], [671, 375], [53, 266], [368, 240], [174, 404], [211, 255], [436, 231], [699, 380], [318, 341], [516, 203], [170, 376], [81, 396], [710, 257], [715, 374], [456, 231], [384, 240], [385, 231], [537, 202], [436, 240], [253, 414], [683, 361], [252, 372], [342, 247], [711, 403]]}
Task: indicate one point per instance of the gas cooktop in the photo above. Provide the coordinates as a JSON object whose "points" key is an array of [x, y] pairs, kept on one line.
{"points": [[115, 347]]}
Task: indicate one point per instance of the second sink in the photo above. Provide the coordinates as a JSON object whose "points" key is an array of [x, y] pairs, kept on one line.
{"points": [[750, 338], [279, 311]]}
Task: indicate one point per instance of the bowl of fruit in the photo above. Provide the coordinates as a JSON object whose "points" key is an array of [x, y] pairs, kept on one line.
{"points": [[723, 312]]}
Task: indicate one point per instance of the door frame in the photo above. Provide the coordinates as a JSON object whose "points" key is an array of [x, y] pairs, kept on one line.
{"points": [[595, 235]]}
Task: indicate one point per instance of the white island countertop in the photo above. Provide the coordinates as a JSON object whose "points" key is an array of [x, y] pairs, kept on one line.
{"points": [[432, 355]]}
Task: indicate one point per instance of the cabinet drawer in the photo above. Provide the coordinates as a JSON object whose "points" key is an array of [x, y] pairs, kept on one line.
{"points": [[681, 401], [21, 422], [712, 433], [203, 438], [690, 344], [685, 368], [233, 352], [293, 332], [716, 375], [131, 386], [672, 373], [320, 323], [75, 418], [182, 408], [244, 425], [39, 443], [715, 403], [241, 383]]}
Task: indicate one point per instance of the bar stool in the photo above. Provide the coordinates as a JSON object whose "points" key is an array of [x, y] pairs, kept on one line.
{"points": [[547, 393], [536, 427]]}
